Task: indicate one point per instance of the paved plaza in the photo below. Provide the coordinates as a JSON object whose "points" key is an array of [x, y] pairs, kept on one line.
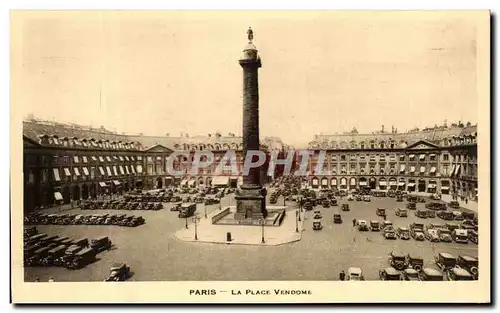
{"points": [[154, 253]]}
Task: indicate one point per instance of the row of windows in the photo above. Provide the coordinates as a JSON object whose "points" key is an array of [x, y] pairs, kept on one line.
{"points": [[92, 143], [89, 159], [83, 173]]}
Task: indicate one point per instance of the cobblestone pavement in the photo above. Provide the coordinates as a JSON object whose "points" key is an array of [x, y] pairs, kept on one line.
{"points": [[154, 255]]}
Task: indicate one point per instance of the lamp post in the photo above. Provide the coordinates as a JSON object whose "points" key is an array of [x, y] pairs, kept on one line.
{"points": [[195, 221], [186, 223], [262, 222], [284, 200], [205, 206], [297, 221]]}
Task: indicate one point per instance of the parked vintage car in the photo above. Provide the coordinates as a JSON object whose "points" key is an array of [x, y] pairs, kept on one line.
{"points": [[187, 210], [403, 233], [430, 213], [325, 203], [308, 205], [359, 198], [54, 256], [81, 259], [415, 262], [337, 218], [435, 206], [389, 273], [417, 231], [473, 237], [457, 273], [176, 206], [367, 198], [374, 225], [470, 264], [430, 274], [317, 215], [445, 260], [101, 244], [445, 215], [397, 260], [411, 206], [387, 224], [445, 235], [380, 212], [389, 233], [118, 272], [334, 202], [460, 236], [432, 235], [350, 198], [454, 204], [345, 207], [399, 198], [362, 225], [354, 274], [401, 212], [409, 274], [421, 213], [317, 225]]}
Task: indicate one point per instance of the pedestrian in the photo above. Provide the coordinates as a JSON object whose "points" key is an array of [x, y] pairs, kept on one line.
{"points": [[342, 275], [354, 222], [466, 200], [385, 216], [37, 279], [51, 280]]}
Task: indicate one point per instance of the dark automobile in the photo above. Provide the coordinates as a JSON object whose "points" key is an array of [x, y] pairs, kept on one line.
{"points": [[454, 204], [317, 225], [415, 262], [118, 272], [82, 258], [101, 244], [176, 206], [333, 202], [458, 273], [403, 233], [470, 264], [389, 233], [345, 207], [397, 260], [362, 225], [380, 212], [411, 206], [337, 218], [374, 226], [325, 203], [473, 237], [389, 274], [401, 212], [421, 213], [445, 260], [399, 198]]}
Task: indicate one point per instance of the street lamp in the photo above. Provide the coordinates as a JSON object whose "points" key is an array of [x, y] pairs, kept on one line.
{"points": [[195, 221], [262, 222], [205, 206], [284, 200], [186, 223], [297, 221]]}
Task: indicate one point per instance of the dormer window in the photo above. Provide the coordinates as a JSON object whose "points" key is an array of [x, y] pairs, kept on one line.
{"points": [[55, 140], [44, 139], [84, 143]]}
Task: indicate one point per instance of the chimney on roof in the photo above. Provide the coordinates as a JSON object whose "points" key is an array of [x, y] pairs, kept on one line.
{"points": [[383, 129]]}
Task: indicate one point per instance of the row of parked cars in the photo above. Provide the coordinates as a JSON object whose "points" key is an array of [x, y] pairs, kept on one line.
{"points": [[407, 267], [81, 219], [433, 232], [44, 250], [124, 204]]}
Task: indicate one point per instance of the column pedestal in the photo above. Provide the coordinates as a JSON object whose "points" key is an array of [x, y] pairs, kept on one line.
{"points": [[250, 203]]}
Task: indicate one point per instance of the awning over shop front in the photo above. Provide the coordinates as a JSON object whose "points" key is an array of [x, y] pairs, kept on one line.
{"points": [[126, 158], [56, 174], [139, 158], [127, 170], [234, 177], [363, 183], [117, 183], [393, 183], [422, 156], [453, 169], [93, 158], [401, 184], [412, 169], [121, 158], [240, 180], [132, 168], [132, 158], [115, 170], [84, 159], [77, 171], [85, 171], [382, 183], [75, 159], [431, 186], [422, 169], [67, 172], [402, 168], [139, 169], [184, 182], [220, 181], [411, 184], [457, 171], [432, 155], [108, 170], [411, 156], [169, 178], [191, 182], [101, 159], [101, 170], [121, 170], [445, 187], [324, 182], [108, 158], [102, 184], [433, 169], [58, 196]]}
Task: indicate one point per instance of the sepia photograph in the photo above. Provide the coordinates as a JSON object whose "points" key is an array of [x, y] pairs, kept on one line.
{"points": [[250, 155]]}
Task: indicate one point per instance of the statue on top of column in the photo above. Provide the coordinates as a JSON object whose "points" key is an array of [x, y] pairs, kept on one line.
{"points": [[250, 34]]}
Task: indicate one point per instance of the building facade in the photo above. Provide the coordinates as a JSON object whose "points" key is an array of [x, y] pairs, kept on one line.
{"points": [[65, 163], [436, 160]]}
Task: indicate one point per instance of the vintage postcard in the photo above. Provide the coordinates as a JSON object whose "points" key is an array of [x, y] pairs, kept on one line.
{"points": [[250, 157]]}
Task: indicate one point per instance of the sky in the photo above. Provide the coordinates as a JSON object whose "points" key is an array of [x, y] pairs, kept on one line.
{"points": [[171, 72]]}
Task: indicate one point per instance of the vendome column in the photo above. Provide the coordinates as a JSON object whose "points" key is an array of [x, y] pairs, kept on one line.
{"points": [[251, 198]]}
